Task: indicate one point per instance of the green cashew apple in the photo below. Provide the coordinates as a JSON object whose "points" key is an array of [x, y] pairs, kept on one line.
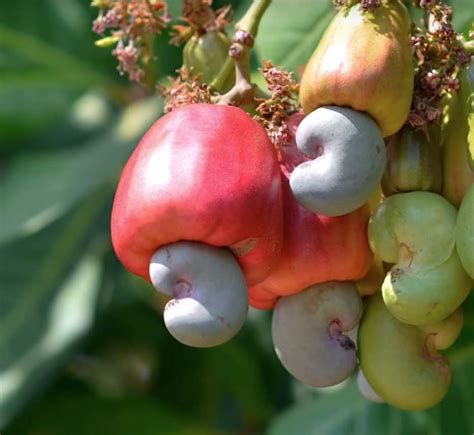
{"points": [[465, 232], [364, 61], [347, 160], [416, 232], [413, 163], [310, 332], [458, 139], [206, 55], [401, 362]]}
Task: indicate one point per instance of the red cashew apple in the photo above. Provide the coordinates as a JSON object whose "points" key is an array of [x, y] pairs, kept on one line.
{"points": [[208, 174], [316, 248]]}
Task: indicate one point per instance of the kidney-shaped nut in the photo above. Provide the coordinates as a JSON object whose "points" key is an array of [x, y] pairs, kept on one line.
{"points": [[308, 332], [209, 304], [366, 389], [348, 160]]}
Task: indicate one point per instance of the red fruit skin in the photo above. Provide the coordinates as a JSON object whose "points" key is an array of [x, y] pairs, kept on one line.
{"points": [[204, 173], [316, 248]]}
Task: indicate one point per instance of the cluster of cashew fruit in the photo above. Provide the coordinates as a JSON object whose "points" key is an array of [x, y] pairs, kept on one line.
{"points": [[215, 217]]}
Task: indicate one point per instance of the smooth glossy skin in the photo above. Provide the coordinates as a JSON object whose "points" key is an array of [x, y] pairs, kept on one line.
{"points": [[415, 231], [364, 61], [308, 332], [365, 389], [348, 160], [204, 173], [427, 295], [316, 248], [443, 335], [397, 362], [465, 232], [209, 304]]}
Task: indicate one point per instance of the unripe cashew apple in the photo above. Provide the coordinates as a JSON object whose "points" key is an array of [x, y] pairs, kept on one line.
{"points": [[465, 232], [208, 174], [458, 139], [316, 248], [205, 54], [416, 231], [308, 332], [348, 160], [413, 163], [364, 61], [400, 361]]}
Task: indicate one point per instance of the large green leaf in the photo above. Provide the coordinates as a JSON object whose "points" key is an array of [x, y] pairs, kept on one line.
{"points": [[48, 299], [84, 414], [37, 188], [290, 31], [343, 411]]}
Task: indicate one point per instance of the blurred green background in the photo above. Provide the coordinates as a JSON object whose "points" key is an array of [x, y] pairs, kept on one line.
{"points": [[83, 349]]}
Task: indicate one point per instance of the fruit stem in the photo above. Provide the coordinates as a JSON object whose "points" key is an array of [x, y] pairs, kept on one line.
{"points": [[243, 92]]}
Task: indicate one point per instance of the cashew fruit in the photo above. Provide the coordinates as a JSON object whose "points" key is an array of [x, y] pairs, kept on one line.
{"points": [[458, 140], [364, 61], [413, 163], [465, 232], [208, 174], [308, 332], [206, 54], [401, 362], [347, 155], [205, 281], [316, 248], [416, 232]]}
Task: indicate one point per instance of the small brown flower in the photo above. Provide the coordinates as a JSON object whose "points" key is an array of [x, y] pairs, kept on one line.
{"points": [[272, 112], [199, 18], [439, 56], [184, 89], [132, 23]]}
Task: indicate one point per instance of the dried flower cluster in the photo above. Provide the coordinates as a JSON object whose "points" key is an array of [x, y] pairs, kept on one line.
{"points": [[184, 89], [439, 55], [132, 24], [273, 112], [200, 18]]}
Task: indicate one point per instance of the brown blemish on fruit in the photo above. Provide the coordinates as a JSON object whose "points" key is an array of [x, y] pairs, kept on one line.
{"points": [[395, 275], [243, 248]]}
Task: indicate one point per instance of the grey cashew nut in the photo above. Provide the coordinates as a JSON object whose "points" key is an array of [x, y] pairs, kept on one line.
{"points": [[308, 332], [210, 302], [348, 160]]}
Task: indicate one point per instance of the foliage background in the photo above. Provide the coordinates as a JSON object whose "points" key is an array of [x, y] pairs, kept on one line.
{"points": [[83, 349]]}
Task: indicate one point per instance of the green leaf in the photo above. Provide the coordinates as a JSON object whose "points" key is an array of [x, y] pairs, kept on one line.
{"points": [[38, 188], [83, 414], [344, 411], [49, 295], [237, 372], [463, 16], [46, 59], [290, 31]]}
